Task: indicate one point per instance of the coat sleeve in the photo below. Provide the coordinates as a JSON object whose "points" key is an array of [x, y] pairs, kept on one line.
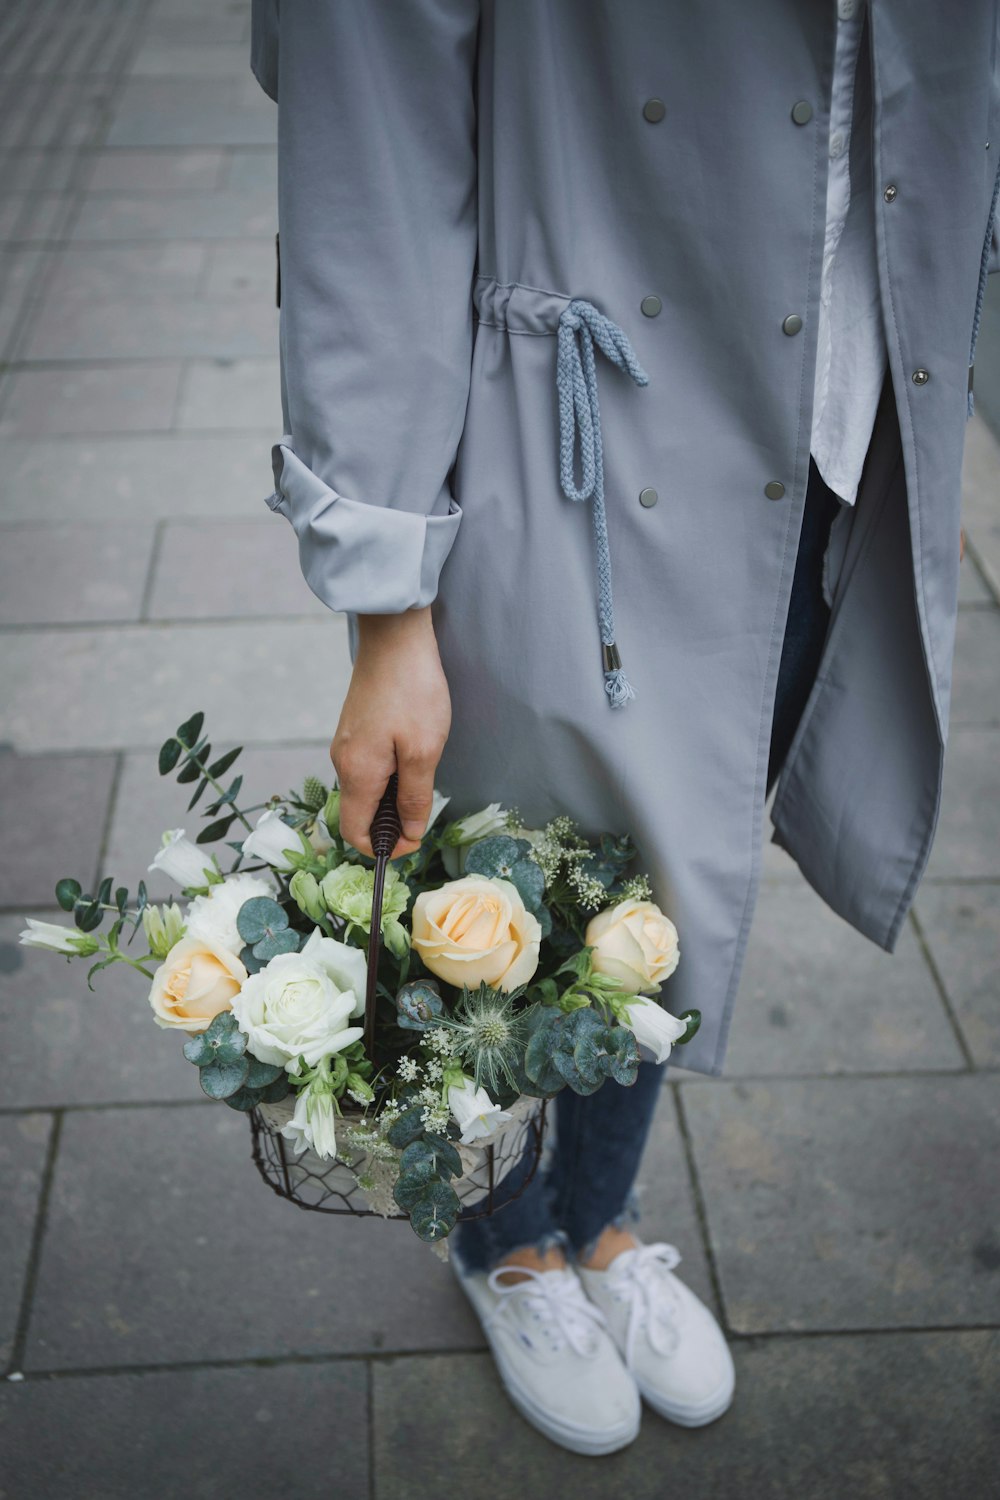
{"points": [[378, 224]]}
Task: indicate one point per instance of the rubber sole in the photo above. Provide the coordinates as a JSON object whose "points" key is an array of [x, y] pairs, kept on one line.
{"points": [[691, 1416]]}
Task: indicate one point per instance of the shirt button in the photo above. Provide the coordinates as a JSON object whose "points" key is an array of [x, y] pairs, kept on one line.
{"points": [[836, 145], [654, 110], [792, 324], [890, 192], [648, 497], [921, 377], [650, 306], [774, 489], [802, 111]]}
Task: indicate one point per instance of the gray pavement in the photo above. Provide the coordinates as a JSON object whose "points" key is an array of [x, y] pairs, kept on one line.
{"points": [[168, 1327]]}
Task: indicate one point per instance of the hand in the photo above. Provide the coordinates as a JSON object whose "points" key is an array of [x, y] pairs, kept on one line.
{"points": [[396, 717]]}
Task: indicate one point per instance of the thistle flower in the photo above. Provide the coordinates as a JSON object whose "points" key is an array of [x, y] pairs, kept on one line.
{"points": [[490, 1035]]}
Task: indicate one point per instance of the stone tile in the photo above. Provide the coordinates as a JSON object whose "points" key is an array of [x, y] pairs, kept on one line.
{"points": [[52, 812], [156, 1285], [851, 1203], [246, 272], [20, 266], [235, 393], [254, 675], [193, 112], [253, 167], [72, 574], [89, 273], [193, 58], [169, 24], [812, 1419], [157, 171], [26, 170], [816, 996], [65, 1044], [261, 574], [147, 803], [976, 674], [981, 497], [23, 1144], [90, 399], [967, 841], [137, 478], [121, 1436], [63, 111], [156, 326], [972, 587], [961, 924], [191, 216], [32, 216]]}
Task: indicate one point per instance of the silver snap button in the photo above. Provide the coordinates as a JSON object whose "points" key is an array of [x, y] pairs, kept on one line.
{"points": [[890, 193], [792, 324], [648, 497], [650, 306], [654, 110], [921, 377], [802, 111], [774, 489]]}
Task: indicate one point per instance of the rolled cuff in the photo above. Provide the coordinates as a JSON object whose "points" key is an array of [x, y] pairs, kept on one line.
{"points": [[360, 558]]}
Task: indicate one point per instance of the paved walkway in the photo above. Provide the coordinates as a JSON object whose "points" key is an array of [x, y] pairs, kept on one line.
{"points": [[168, 1327]]}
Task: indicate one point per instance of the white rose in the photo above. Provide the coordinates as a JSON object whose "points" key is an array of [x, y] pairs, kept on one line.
{"points": [[477, 1116], [346, 965], [655, 1028], [293, 1007], [191, 868], [464, 831], [634, 943], [270, 839], [313, 1123], [213, 917]]}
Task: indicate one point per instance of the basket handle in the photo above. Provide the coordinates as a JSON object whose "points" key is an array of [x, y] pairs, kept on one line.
{"points": [[386, 827]]}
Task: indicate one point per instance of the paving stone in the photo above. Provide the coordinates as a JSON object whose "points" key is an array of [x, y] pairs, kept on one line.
{"points": [[20, 268], [157, 171], [25, 170], [981, 498], [90, 399], [65, 1044], [967, 841], [71, 574], [52, 810], [812, 1419], [252, 674], [175, 26], [23, 1144], [231, 393], [155, 326], [224, 214], [816, 996], [961, 924], [136, 478], [852, 1202], [261, 576], [209, 1263], [147, 804], [253, 167], [126, 1435], [976, 674], [245, 271], [192, 58], [193, 112], [53, 111], [972, 587], [32, 216], [99, 273]]}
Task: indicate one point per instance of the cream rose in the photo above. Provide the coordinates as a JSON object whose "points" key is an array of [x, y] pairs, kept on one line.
{"points": [[635, 943], [194, 983], [476, 929]]}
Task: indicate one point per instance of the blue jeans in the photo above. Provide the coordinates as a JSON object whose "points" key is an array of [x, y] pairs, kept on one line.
{"points": [[588, 1181]]}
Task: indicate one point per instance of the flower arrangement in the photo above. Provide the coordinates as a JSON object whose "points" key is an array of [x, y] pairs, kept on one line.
{"points": [[516, 962]]}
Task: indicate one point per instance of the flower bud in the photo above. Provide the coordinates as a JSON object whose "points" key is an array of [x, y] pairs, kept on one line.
{"points": [[305, 892], [163, 926]]}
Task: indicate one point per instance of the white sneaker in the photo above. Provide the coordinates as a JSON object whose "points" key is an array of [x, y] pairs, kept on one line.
{"points": [[554, 1355], [668, 1338]]}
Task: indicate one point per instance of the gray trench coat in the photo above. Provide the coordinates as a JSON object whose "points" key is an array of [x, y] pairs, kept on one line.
{"points": [[452, 175]]}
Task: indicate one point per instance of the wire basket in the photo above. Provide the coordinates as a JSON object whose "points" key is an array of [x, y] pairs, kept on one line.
{"points": [[330, 1185]]}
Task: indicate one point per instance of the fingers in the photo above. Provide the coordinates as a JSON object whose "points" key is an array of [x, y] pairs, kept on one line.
{"points": [[416, 763], [362, 780]]}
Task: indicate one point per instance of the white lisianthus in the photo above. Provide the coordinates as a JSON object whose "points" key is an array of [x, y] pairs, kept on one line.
{"points": [[191, 868], [57, 939], [213, 917], [459, 834], [654, 1028], [346, 965], [313, 1122], [294, 1008], [477, 1116], [270, 839]]}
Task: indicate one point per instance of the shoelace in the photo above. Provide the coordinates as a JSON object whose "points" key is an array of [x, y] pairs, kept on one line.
{"points": [[652, 1300], [557, 1298]]}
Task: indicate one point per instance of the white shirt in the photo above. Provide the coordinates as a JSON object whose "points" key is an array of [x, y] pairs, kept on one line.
{"points": [[851, 355]]}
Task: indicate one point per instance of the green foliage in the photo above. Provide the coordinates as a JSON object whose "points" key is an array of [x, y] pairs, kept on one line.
{"points": [[222, 1041], [435, 1212], [418, 1004], [193, 754], [408, 1127], [263, 925], [510, 859]]}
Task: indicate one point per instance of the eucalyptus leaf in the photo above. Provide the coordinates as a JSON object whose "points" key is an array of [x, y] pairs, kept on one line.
{"points": [[244, 1099], [410, 1184], [121, 899], [224, 762], [279, 1089], [198, 791], [88, 917], [408, 1127], [170, 754], [199, 1051], [528, 880], [447, 1161], [435, 1212], [260, 917], [190, 730], [191, 771], [104, 891], [221, 1079], [66, 893], [495, 855], [693, 1018], [262, 1073], [279, 942], [249, 960], [216, 830]]}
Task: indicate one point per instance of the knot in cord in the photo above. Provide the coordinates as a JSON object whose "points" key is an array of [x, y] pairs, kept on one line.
{"points": [[558, 1298], [581, 325], [652, 1298]]}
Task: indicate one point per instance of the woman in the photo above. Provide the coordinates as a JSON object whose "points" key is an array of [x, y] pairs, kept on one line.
{"points": [[726, 265]]}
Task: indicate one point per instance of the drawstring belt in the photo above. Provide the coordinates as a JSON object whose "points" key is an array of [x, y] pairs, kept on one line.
{"points": [[579, 413]]}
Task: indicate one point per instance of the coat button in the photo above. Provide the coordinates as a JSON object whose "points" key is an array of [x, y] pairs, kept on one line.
{"points": [[921, 377], [650, 306], [802, 111], [654, 110], [774, 489], [792, 324], [648, 497], [890, 193]]}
